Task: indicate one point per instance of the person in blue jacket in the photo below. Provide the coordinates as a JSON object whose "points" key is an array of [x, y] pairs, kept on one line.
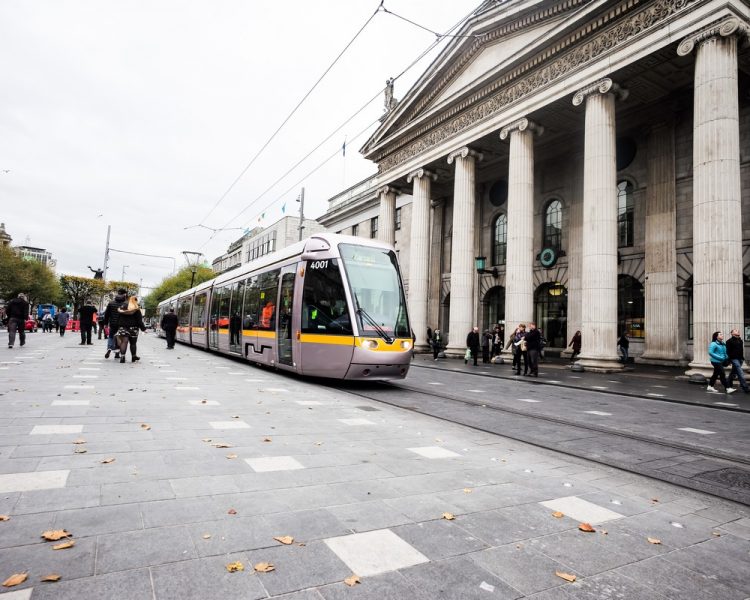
{"points": [[717, 353]]}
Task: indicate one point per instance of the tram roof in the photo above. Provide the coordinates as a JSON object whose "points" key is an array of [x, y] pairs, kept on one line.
{"points": [[298, 248]]}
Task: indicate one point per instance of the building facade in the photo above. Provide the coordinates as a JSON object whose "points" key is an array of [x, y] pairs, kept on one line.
{"points": [[38, 254], [596, 154], [264, 240]]}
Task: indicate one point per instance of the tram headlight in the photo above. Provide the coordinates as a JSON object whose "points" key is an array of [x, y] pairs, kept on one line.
{"points": [[405, 344], [369, 344]]}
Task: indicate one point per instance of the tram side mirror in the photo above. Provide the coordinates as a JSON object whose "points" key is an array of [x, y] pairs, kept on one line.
{"points": [[313, 246]]}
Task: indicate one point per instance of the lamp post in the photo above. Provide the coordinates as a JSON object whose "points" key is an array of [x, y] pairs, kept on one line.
{"points": [[480, 262], [193, 260], [123, 272]]}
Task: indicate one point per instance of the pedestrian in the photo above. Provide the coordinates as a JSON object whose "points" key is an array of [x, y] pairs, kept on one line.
{"points": [[497, 341], [47, 322], [472, 345], [717, 353], [518, 349], [129, 321], [486, 346], [623, 343], [111, 318], [575, 343], [17, 311], [533, 339], [169, 324], [100, 323], [736, 355], [62, 318], [437, 343], [86, 316]]}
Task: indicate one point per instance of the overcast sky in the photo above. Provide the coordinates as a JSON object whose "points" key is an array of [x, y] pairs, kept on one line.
{"points": [[140, 115]]}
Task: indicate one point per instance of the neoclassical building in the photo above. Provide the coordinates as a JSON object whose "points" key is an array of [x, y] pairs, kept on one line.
{"points": [[595, 153]]}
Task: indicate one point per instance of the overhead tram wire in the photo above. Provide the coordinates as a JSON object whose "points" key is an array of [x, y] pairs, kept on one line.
{"points": [[421, 55], [289, 116]]}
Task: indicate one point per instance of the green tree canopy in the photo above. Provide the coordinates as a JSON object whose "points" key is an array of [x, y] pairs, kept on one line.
{"points": [[169, 286], [77, 289], [31, 277]]}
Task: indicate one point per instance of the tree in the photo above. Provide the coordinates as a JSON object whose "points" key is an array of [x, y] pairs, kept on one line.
{"points": [[169, 286], [77, 289], [31, 277]]}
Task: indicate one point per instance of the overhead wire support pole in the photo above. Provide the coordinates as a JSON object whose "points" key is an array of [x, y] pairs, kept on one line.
{"points": [[301, 200]]}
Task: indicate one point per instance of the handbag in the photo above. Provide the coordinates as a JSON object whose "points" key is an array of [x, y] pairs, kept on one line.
{"points": [[467, 354]]}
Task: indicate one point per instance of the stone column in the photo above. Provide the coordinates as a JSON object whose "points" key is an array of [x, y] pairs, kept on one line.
{"points": [[519, 265], [387, 216], [599, 231], [717, 208], [419, 260], [662, 345], [462, 258]]}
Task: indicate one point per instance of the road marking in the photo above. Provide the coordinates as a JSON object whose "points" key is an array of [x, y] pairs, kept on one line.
{"points": [[476, 391], [582, 510], [433, 452], [375, 552], [229, 425], [693, 430], [598, 412], [434, 383], [186, 387], [529, 400], [309, 402], [52, 429], [655, 395], [599, 387], [356, 422], [28, 482], [725, 404], [70, 403], [85, 376], [274, 463], [89, 369], [78, 387]]}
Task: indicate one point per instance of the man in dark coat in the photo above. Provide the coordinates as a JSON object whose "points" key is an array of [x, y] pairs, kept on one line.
{"points": [[472, 343], [111, 319], [86, 319], [736, 356], [17, 311], [533, 346], [169, 324]]}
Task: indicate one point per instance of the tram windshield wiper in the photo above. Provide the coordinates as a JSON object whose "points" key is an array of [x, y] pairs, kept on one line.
{"points": [[381, 332]]}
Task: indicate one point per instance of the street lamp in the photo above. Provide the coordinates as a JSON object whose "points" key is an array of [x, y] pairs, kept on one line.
{"points": [[480, 262], [193, 260]]}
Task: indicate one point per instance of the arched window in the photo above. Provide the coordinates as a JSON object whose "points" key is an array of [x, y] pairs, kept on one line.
{"points": [[624, 214], [631, 307], [500, 240], [552, 237], [551, 313], [494, 307]]}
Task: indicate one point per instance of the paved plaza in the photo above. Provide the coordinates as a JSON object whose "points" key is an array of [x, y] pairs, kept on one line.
{"points": [[166, 471]]}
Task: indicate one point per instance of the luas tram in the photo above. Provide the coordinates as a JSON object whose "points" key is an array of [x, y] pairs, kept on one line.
{"points": [[329, 306]]}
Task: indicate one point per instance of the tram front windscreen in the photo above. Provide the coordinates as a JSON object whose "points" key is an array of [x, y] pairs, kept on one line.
{"points": [[379, 301]]}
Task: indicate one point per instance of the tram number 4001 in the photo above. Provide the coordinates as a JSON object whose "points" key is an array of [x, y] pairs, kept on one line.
{"points": [[319, 264]]}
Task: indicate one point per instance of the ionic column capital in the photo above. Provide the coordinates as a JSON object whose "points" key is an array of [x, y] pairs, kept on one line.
{"points": [[388, 189], [463, 153], [419, 173], [725, 27], [521, 125], [602, 86]]}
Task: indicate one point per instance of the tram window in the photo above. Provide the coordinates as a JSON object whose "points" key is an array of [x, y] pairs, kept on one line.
{"points": [[268, 285], [199, 311], [324, 307], [223, 316], [183, 314], [250, 306]]}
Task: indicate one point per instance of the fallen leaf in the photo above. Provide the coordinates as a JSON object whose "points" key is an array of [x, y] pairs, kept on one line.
{"points": [[468, 490], [586, 528], [206, 536], [716, 533], [15, 579], [301, 544], [231, 511], [654, 500], [656, 541], [264, 567], [145, 426], [557, 514], [51, 577], [56, 534], [231, 456], [235, 416], [267, 439], [206, 440], [604, 532], [448, 516], [80, 451], [284, 539], [79, 441], [222, 445], [204, 401], [566, 576], [352, 580], [4, 518], [235, 566], [106, 461], [65, 545]]}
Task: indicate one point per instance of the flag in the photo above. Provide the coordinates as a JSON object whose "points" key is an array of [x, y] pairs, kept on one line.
{"points": [[283, 208], [261, 217], [343, 148]]}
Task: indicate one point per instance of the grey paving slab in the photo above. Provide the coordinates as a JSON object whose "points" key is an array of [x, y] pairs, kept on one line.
{"points": [[160, 513], [24, 529], [126, 585], [40, 559], [206, 578], [309, 594], [439, 539], [132, 550], [88, 522], [607, 586], [674, 532], [307, 525], [58, 499], [136, 491], [366, 516], [386, 586], [238, 534]]}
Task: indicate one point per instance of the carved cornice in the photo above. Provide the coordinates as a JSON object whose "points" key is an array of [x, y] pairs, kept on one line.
{"points": [[463, 153], [540, 71], [388, 189], [724, 28], [419, 173], [603, 86], [521, 125]]}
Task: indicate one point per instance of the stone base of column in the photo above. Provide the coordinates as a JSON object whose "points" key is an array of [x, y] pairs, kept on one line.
{"points": [[699, 372], [663, 361], [600, 365], [452, 351]]}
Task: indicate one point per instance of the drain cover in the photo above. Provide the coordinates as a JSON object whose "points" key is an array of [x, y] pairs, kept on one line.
{"points": [[731, 477], [368, 408]]}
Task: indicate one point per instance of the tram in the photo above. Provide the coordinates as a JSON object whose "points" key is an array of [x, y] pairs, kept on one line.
{"points": [[330, 306]]}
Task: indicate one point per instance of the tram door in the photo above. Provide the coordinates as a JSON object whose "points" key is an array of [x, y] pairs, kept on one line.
{"points": [[213, 319], [235, 317], [284, 322]]}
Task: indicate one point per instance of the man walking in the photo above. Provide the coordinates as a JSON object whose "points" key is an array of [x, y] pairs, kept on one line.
{"points": [[472, 343], [169, 324], [86, 316], [112, 317], [17, 310], [736, 355], [533, 347]]}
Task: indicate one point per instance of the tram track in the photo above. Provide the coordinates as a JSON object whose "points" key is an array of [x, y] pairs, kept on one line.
{"points": [[726, 474]]}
